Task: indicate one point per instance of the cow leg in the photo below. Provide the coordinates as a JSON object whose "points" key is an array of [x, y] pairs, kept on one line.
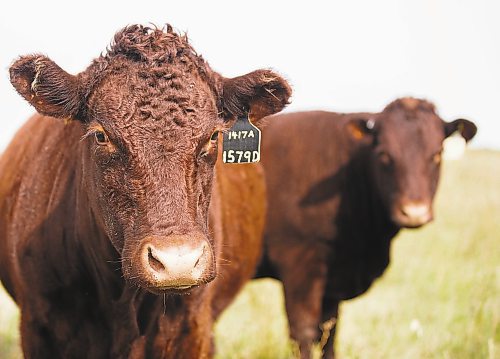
{"points": [[303, 307], [303, 272], [329, 320]]}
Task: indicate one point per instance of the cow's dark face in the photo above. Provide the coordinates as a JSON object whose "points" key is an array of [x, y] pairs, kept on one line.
{"points": [[406, 147], [152, 111]]}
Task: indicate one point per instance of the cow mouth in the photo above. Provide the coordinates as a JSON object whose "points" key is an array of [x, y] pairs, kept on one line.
{"points": [[182, 290], [177, 289], [158, 288], [402, 222]]}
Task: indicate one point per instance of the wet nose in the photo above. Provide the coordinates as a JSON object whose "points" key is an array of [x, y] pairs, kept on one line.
{"points": [[417, 214], [176, 262]]}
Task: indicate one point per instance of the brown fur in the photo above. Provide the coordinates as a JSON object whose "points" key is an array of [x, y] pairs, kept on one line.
{"points": [[135, 167], [336, 186]]}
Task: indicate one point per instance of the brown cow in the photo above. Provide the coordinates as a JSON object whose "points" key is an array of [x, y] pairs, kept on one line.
{"points": [[340, 186], [104, 200]]}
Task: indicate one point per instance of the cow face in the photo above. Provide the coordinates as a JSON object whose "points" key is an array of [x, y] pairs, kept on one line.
{"points": [[406, 142], [151, 110]]}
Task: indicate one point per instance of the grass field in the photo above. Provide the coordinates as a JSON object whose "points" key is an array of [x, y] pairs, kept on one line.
{"points": [[440, 297]]}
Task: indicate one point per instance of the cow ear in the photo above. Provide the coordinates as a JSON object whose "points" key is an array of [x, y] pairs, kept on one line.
{"points": [[260, 93], [47, 87], [466, 128], [361, 129]]}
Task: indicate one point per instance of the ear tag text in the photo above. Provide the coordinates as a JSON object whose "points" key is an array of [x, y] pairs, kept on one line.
{"points": [[241, 144]]}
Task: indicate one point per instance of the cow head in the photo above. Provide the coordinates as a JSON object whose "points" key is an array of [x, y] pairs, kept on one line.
{"points": [[407, 141], [151, 110]]}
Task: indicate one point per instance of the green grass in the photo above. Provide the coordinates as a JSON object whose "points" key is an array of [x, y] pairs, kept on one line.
{"points": [[444, 278], [9, 333]]}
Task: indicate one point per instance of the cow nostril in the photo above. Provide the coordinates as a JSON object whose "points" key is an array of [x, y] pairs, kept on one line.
{"points": [[153, 262], [200, 257]]}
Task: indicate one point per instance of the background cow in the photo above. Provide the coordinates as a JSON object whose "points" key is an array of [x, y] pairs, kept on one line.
{"points": [[104, 200], [340, 187]]}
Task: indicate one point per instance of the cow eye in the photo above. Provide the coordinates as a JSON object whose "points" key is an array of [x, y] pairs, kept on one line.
{"points": [[101, 138], [214, 136], [385, 158], [211, 146], [436, 158]]}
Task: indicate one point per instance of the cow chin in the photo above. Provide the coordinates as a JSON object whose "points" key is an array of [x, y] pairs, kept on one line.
{"points": [[176, 264], [410, 224]]}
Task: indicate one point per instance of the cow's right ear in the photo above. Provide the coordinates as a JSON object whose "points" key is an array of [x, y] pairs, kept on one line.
{"points": [[47, 87], [361, 129], [260, 93]]}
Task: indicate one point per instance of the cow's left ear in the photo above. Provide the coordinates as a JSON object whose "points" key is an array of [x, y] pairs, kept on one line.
{"points": [[361, 129], [261, 93], [466, 128]]}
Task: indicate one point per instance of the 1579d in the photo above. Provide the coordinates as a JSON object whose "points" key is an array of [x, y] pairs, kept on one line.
{"points": [[235, 156]]}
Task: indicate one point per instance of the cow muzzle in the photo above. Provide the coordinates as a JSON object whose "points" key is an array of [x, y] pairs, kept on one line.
{"points": [[414, 214], [176, 263]]}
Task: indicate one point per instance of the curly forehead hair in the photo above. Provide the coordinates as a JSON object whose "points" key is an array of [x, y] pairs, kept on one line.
{"points": [[153, 46], [411, 104], [155, 49]]}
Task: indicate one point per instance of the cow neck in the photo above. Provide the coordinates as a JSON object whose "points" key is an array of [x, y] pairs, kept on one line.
{"points": [[364, 232], [364, 198]]}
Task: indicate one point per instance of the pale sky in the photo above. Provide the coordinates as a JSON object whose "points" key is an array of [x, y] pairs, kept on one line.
{"points": [[339, 56]]}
